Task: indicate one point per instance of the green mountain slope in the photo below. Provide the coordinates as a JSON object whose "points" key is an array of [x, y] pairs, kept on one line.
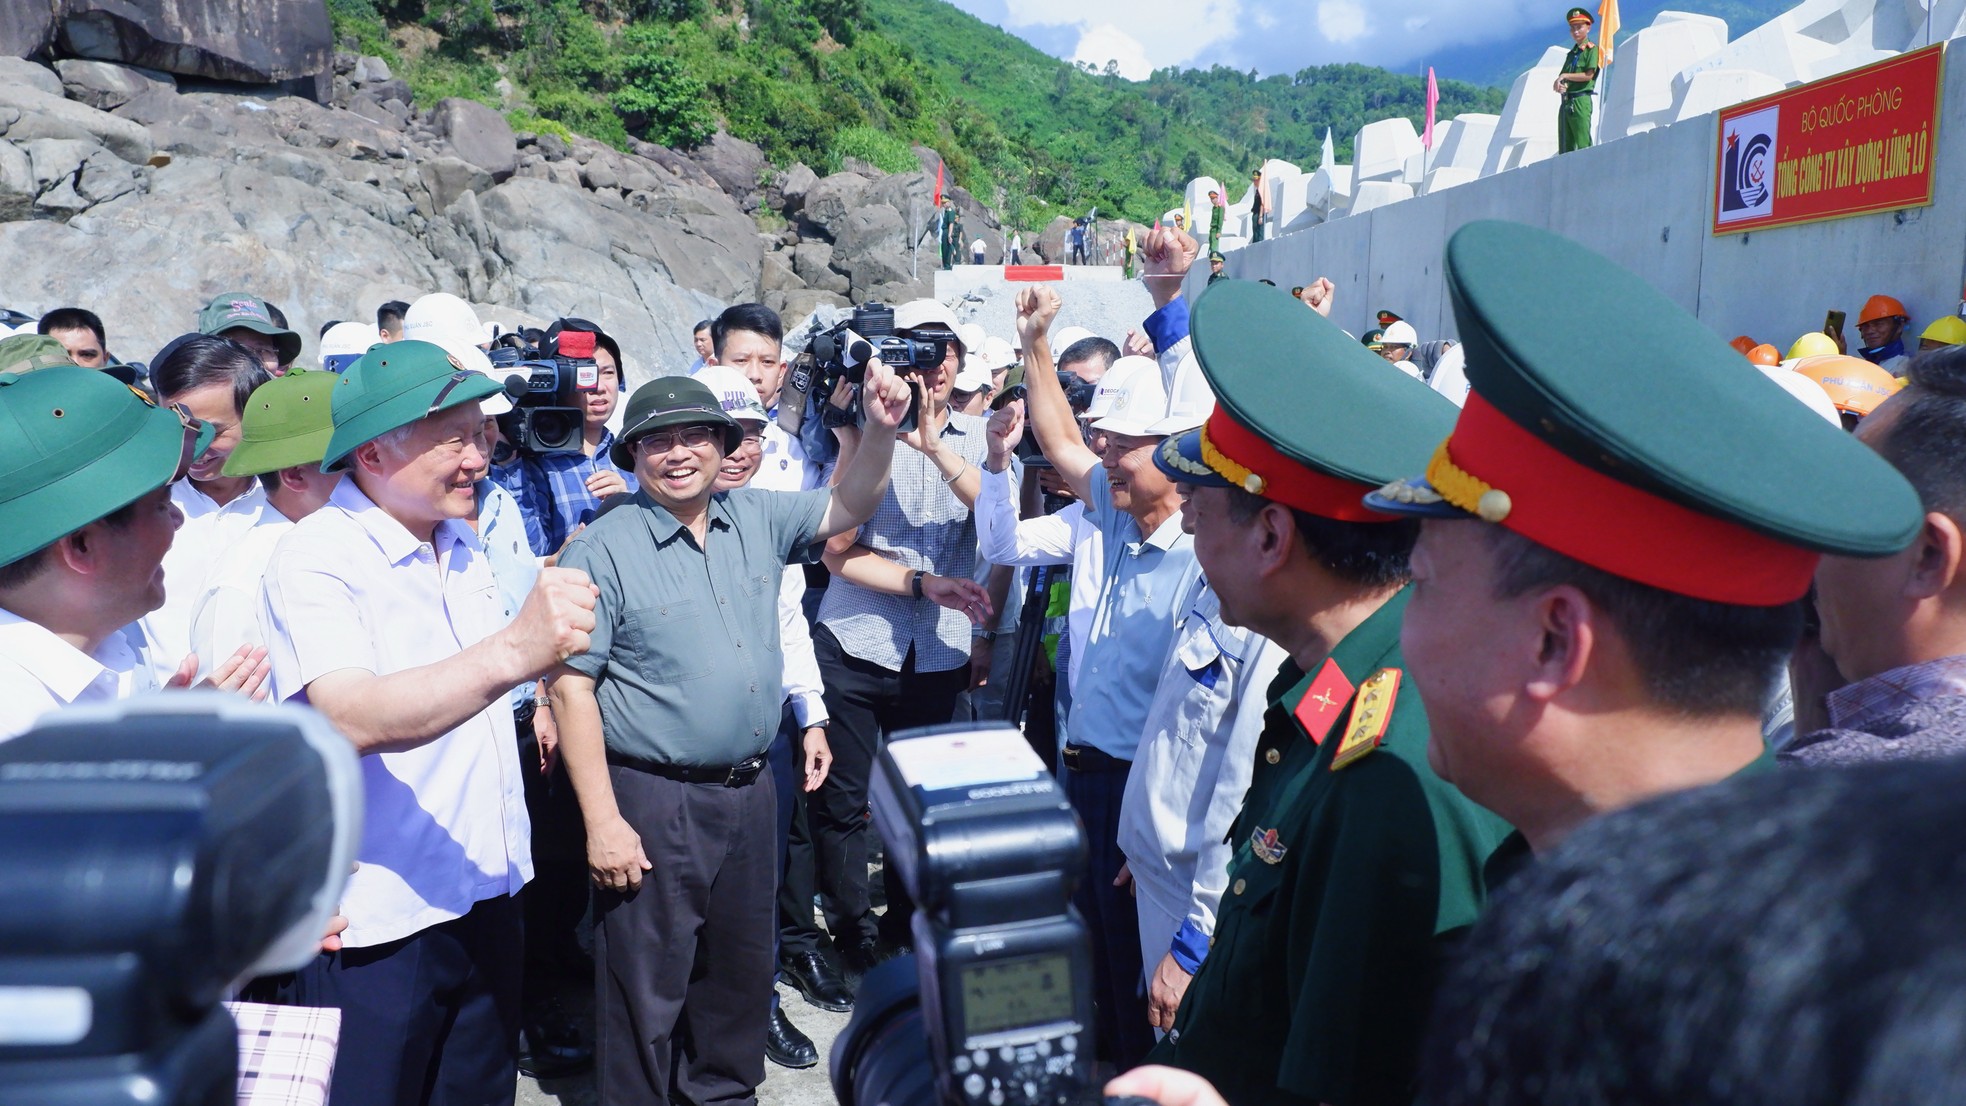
{"points": [[823, 80]]}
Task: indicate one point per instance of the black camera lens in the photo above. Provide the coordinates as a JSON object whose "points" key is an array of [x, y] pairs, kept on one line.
{"points": [[878, 1058], [555, 430]]}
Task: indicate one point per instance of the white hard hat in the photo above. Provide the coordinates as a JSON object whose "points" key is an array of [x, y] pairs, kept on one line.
{"points": [[441, 313], [975, 376], [1065, 338], [1110, 384], [1811, 393], [1190, 403], [735, 392], [971, 335], [1138, 402], [1400, 333], [998, 354], [345, 343]]}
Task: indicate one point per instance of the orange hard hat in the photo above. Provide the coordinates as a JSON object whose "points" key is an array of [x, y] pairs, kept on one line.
{"points": [[1764, 354], [1854, 384], [1742, 344], [1881, 307]]}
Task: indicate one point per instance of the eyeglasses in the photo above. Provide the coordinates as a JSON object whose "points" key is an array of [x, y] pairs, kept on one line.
{"points": [[192, 428], [690, 437]]}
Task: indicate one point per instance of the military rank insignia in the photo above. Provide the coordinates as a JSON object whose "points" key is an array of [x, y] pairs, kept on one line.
{"points": [[1318, 709], [1371, 714], [1267, 848]]}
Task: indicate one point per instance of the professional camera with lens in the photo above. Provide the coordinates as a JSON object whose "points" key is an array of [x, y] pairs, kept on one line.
{"points": [[843, 351], [153, 854], [998, 995], [552, 372]]}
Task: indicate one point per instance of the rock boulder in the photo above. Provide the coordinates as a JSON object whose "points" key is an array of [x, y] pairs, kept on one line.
{"points": [[829, 201], [249, 41], [26, 27], [736, 165], [477, 134], [872, 248]]}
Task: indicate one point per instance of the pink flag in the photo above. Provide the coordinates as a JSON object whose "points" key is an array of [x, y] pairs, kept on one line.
{"points": [[938, 181], [1433, 101]]}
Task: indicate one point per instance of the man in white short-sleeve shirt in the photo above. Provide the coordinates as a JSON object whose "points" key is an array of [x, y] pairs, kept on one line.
{"points": [[381, 612], [85, 520]]}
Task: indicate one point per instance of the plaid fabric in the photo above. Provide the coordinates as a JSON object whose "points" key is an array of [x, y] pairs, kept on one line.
{"points": [[1850, 707], [286, 1053], [921, 524], [559, 490]]}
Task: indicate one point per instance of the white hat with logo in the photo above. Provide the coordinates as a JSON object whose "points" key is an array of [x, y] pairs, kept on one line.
{"points": [[734, 392], [1137, 401], [1191, 402]]}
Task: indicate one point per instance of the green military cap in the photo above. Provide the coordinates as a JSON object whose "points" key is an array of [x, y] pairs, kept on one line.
{"points": [[1216, 255], [287, 422], [393, 386], [1374, 339], [1654, 457], [76, 445], [235, 310], [1313, 429], [671, 401], [1576, 15], [26, 353]]}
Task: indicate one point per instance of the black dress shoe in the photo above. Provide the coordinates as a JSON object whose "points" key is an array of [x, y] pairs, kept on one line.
{"points": [[813, 975], [785, 1045], [550, 1044], [857, 960]]}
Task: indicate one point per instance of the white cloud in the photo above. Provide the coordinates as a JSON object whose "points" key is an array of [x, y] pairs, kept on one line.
{"points": [[1104, 43], [1413, 23], [1166, 32], [1340, 21]]}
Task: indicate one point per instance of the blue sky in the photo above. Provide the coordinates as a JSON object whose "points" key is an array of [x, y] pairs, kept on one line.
{"points": [[1271, 36]]}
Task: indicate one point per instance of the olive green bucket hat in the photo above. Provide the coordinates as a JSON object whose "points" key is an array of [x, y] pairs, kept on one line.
{"points": [[671, 401], [242, 310], [393, 386], [26, 353], [75, 446], [288, 422]]}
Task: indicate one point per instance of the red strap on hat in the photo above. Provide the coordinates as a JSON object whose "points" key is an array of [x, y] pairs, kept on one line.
{"points": [[1608, 524], [1257, 467]]}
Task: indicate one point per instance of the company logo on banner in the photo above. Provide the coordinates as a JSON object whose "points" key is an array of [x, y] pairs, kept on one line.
{"points": [[1857, 142]]}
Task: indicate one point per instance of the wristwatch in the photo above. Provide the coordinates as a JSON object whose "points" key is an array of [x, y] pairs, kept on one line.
{"points": [[915, 584]]}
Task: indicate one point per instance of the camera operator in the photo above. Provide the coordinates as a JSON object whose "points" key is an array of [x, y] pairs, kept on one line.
{"points": [[1147, 564], [749, 339], [380, 610], [664, 724], [567, 488], [892, 661], [83, 541]]}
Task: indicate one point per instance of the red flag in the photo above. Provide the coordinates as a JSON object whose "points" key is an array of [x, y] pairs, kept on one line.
{"points": [[938, 184], [1433, 101]]}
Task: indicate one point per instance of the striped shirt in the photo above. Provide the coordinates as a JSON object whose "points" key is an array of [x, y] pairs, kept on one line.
{"points": [[921, 524], [559, 490]]}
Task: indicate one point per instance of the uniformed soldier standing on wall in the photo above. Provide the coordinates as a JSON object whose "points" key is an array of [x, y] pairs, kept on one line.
{"points": [[1354, 862], [1576, 84]]}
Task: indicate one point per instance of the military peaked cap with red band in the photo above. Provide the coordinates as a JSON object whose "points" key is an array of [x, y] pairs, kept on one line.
{"points": [[1658, 455], [1304, 415]]}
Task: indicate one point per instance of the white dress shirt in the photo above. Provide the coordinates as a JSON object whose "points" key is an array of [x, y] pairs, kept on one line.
{"points": [[1193, 767], [785, 468], [226, 614], [444, 823], [40, 672], [210, 529], [1064, 538]]}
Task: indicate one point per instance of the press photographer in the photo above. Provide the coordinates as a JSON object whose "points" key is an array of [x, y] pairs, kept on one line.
{"points": [[559, 426]]}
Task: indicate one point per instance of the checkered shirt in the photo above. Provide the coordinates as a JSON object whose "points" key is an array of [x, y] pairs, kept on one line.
{"points": [[286, 1053], [559, 490]]}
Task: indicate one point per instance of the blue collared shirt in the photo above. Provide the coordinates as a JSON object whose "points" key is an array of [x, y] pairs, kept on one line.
{"points": [[506, 536], [559, 490], [1141, 589], [512, 477]]}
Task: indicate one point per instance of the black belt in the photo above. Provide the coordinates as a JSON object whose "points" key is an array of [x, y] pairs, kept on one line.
{"points": [[1574, 95], [1085, 758], [740, 774]]}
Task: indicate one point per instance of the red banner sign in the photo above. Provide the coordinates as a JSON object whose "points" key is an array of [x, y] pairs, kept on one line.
{"points": [[1857, 142]]}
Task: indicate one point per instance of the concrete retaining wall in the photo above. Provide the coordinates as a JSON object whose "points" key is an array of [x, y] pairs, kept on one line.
{"points": [[1646, 202]]}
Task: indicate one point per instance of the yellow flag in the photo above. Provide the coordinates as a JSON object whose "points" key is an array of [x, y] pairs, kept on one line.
{"points": [[1607, 28]]}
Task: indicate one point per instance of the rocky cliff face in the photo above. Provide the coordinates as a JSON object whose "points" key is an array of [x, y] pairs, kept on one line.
{"points": [[126, 193]]}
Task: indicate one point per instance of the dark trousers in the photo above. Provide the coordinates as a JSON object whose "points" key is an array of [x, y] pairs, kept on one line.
{"points": [[557, 895], [683, 964], [866, 701], [432, 1018], [1120, 1017], [796, 930]]}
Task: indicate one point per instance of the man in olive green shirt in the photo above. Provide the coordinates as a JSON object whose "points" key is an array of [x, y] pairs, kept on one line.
{"points": [[1354, 864], [1577, 83], [664, 723]]}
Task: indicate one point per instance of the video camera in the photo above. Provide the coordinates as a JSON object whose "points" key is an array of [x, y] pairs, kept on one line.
{"points": [[843, 351], [154, 854], [998, 994], [555, 372]]}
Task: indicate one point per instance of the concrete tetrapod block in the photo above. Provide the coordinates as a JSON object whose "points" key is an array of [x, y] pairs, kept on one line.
{"points": [[1447, 176], [1721, 88], [1329, 191], [1380, 149], [1530, 112], [1465, 142], [1378, 193], [1415, 173], [1638, 90]]}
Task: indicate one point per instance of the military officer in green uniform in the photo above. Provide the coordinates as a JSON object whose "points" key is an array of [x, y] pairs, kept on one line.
{"points": [[1576, 84], [1613, 555], [1354, 862]]}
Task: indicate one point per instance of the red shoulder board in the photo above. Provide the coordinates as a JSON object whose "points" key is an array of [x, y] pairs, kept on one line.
{"points": [[1318, 709], [1370, 716]]}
